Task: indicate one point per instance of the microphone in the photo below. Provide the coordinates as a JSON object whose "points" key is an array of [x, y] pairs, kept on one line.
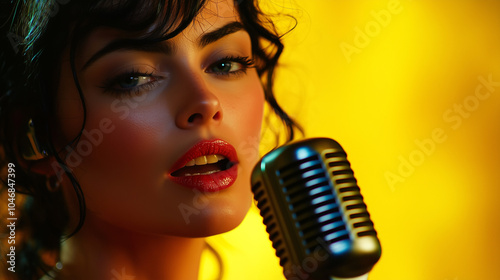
{"points": [[314, 212]]}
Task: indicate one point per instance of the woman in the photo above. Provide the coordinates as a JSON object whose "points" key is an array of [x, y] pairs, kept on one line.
{"points": [[132, 126]]}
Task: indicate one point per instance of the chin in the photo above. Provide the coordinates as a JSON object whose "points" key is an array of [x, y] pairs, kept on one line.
{"points": [[217, 218], [187, 214]]}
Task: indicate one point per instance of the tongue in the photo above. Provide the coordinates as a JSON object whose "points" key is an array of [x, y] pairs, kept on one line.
{"points": [[218, 166]]}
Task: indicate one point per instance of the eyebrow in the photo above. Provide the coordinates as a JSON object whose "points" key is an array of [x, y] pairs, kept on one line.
{"points": [[164, 47], [217, 34]]}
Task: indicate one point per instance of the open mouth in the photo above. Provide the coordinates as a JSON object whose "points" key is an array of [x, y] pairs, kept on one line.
{"points": [[209, 166], [204, 165]]}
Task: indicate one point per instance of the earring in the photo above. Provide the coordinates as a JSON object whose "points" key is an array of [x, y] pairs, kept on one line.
{"points": [[32, 149], [52, 185]]}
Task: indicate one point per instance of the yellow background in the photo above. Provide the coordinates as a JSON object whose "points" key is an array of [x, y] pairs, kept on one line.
{"points": [[441, 220]]}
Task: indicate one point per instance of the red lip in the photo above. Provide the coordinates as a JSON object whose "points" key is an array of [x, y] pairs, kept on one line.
{"points": [[212, 182]]}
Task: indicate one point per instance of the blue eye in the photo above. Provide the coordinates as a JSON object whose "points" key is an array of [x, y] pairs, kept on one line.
{"points": [[133, 82], [230, 66], [226, 67]]}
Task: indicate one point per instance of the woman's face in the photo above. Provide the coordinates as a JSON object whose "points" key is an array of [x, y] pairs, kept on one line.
{"points": [[146, 110]]}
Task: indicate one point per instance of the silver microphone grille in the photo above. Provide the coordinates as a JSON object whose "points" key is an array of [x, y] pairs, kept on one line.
{"points": [[314, 212]]}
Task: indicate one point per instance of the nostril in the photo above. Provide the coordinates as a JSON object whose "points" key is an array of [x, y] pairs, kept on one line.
{"points": [[217, 116], [193, 117]]}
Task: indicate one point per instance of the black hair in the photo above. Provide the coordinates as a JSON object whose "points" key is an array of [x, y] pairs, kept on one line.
{"points": [[35, 34]]}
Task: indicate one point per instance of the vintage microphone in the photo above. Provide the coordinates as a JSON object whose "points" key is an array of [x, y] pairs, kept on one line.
{"points": [[314, 212]]}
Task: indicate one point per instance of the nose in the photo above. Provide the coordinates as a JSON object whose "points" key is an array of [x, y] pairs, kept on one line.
{"points": [[200, 105]]}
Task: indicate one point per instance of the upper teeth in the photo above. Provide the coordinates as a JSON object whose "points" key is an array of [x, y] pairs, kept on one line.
{"points": [[205, 160]]}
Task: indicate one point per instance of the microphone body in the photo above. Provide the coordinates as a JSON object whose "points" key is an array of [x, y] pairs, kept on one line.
{"points": [[314, 212]]}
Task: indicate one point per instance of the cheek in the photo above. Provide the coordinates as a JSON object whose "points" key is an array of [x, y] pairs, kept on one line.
{"points": [[251, 116], [250, 111], [243, 114], [129, 146], [111, 137], [120, 160]]}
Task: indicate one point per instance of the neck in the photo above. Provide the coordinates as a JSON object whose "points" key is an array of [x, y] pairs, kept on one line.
{"points": [[102, 251]]}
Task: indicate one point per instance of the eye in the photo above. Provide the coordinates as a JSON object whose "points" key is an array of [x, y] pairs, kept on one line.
{"points": [[230, 66], [133, 82], [226, 67]]}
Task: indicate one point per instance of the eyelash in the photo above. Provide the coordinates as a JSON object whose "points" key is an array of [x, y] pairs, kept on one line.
{"points": [[245, 61], [109, 85]]}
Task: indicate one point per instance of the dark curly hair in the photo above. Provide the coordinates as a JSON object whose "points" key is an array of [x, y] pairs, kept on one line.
{"points": [[34, 36]]}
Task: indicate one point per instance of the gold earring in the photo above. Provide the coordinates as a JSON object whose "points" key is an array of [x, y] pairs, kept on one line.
{"points": [[31, 150]]}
